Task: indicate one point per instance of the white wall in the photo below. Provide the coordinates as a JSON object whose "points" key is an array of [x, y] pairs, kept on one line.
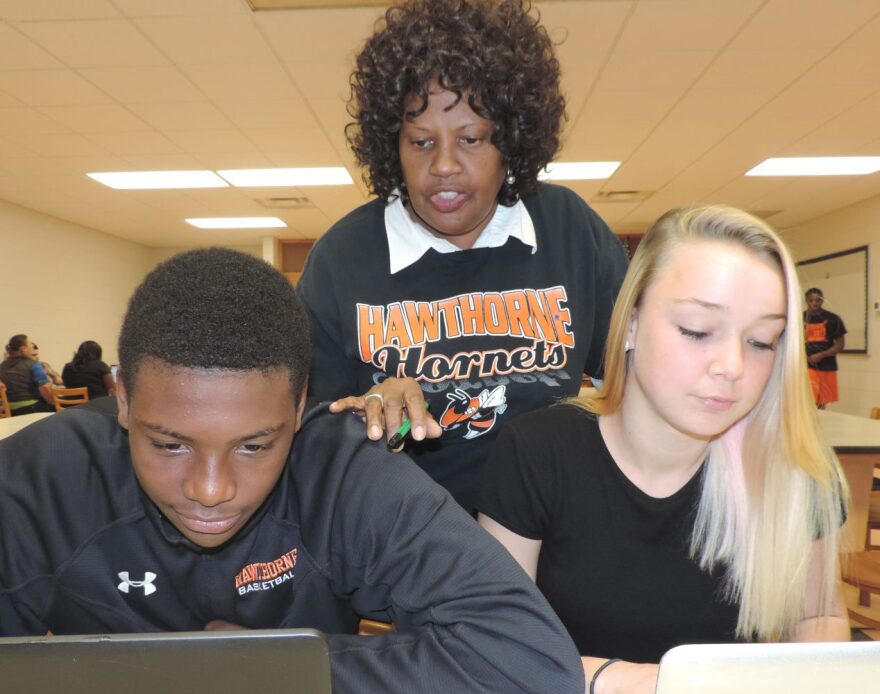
{"points": [[853, 226], [61, 283], [157, 255]]}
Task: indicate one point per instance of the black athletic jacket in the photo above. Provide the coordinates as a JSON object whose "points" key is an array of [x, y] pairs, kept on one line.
{"points": [[350, 530]]}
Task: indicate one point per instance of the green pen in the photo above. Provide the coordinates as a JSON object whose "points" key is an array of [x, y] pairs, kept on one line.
{"points": [[401, 433]]}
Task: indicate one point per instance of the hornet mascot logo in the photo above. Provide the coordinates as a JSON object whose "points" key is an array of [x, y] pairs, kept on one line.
{"points": [[477, 413]]}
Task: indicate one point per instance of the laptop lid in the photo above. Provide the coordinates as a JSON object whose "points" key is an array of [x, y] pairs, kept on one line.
{"points": [[771, 668], [293, 661]]}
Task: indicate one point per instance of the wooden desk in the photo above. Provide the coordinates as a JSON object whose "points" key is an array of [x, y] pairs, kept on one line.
{"points": [[856, 440], [9, 425]]}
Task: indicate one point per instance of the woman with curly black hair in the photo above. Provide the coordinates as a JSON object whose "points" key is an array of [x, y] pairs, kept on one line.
{"points": [[466, 282]]}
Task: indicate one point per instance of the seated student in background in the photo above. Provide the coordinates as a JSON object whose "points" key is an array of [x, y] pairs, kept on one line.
{"points": [[53, 375], [217, 502], [690, 501], [86, 370], [28, 387]]}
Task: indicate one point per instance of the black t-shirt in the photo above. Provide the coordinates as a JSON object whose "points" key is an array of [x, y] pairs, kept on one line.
{"points": [[487, 332], [614, 561], [820, 330], [89, 375]]}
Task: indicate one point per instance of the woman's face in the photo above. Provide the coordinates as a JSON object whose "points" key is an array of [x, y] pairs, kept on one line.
{"points": [[452, 170], [705, 336]]}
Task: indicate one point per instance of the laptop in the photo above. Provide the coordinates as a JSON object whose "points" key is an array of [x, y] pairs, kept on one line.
{"points": [[772, 668], [294, 661]]}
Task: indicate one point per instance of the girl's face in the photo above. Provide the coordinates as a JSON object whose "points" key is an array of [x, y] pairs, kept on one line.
{"points": [[451, 169], [705, 336]]}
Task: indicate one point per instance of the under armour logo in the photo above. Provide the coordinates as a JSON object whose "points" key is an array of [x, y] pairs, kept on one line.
{"points": [[146, 584]]}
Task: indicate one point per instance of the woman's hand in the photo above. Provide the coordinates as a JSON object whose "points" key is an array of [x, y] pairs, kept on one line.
{"points": [[621, 677], [386, 405]]}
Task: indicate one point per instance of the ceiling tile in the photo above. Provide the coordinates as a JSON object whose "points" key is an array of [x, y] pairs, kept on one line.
{"points": [[584, 25], [36, 10], [109, 118], [158, 161], [782, 24], [17, 52], [181, 8], [660, 70], [129, 143], [327, 79], [181, 116], [242, 82], [51, 88], [687, 24], [159, 84], [94, 43], [281, 113], [26, 121], [61, 145], [208, 40], [322, 35], [760, 68], [212, 141], [7, 101]]}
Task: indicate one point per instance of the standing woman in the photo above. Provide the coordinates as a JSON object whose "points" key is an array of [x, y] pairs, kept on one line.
{"points": [[28, 388], [691, 500], [88, 371], [465, 282]]}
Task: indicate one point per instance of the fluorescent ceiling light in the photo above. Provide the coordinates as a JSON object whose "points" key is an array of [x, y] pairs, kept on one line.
{"points": [[271, 178], [153, 180], [816, 166], [236, 222], [578, 170]]}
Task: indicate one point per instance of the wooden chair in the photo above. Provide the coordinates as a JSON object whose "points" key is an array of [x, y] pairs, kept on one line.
{"points": [[66, 397], [862, 570], [4, 403]]}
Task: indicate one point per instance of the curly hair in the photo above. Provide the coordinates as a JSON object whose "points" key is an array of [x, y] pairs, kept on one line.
{"points": [[214, 308], [494, 52]]}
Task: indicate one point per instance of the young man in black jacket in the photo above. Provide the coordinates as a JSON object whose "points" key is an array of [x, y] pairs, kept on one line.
{"points": [[216, 501]]}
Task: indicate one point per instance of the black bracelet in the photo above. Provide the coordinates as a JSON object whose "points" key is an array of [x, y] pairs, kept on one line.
{"points": [[599, 671]]}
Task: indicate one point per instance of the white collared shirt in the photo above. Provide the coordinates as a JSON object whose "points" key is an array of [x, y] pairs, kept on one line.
{"points": [[408, 240]]}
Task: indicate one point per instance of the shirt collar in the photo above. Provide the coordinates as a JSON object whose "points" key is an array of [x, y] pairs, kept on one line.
{"points": [[408, 240]]}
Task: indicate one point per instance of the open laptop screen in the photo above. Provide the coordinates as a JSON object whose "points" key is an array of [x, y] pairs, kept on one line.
{"points": [[771, 668], [220, 662]]}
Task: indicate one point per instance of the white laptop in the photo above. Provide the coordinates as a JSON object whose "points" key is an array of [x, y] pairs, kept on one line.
{"points": [[293, 661], [772, 668]]}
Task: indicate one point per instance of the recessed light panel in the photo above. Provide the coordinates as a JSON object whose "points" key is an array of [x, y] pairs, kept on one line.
{"points": [[236, 222], [157, 180], [816, 166], [578, 170], [278, 178]]}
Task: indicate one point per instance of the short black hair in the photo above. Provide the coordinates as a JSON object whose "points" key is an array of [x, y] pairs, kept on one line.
{"points": [[495, 51], [215, 308], [813, 290]]}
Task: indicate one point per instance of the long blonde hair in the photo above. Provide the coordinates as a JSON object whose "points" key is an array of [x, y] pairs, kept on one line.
{"points": [[770, 488]]}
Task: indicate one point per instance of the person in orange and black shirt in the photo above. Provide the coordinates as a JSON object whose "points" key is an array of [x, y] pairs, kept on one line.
{"points": [[824, 334]]}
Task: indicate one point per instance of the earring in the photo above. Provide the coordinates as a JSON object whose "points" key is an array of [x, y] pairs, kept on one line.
{"points": [[628, 347], [510, 179]]}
